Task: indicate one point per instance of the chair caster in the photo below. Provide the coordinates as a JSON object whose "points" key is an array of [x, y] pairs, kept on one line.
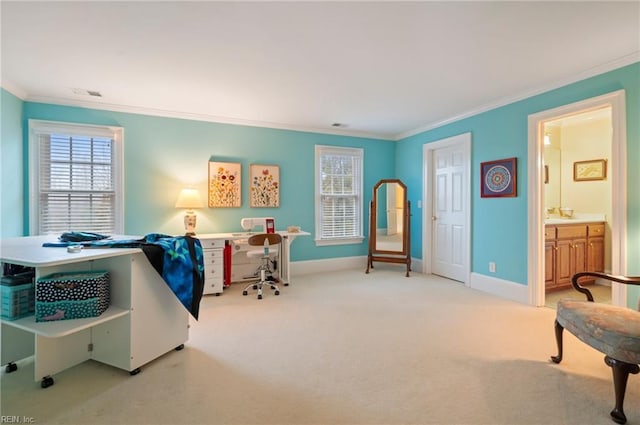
{"points": [[276, 293], [47, 381], [179, 347], [260, 296], [135, 371], [11, 367], [255, 286], [244, 292]]}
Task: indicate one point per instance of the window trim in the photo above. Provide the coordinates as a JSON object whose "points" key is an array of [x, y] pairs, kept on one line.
{"points": [[37, 127], [326, 149]]}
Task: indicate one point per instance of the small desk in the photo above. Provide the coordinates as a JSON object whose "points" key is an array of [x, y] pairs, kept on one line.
{"points": [[218, 239]]}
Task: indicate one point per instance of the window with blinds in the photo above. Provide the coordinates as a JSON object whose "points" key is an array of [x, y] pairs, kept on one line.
{"points": [[338, 195], [77, 184]]}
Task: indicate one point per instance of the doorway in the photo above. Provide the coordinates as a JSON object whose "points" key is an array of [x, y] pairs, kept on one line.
{"points": [[537, 122], [446, 220]]}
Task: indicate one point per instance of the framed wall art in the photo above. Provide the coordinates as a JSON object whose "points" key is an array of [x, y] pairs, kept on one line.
{"points": [[265, 186], [595, 169], [225, 181], [498, 178]]}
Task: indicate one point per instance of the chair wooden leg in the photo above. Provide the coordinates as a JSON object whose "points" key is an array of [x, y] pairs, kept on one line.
{"points": [[621, 371], [558, 329]]}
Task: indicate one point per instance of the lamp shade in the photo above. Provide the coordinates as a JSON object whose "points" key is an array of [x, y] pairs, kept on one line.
{"points": [[189, 199]]}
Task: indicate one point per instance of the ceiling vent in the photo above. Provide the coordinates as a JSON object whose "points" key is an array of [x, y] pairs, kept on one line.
{"points": [[84, 92]]}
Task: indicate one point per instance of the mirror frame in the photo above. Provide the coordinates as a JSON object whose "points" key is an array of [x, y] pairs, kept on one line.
{"points": [[373, 236], [387, 256]]}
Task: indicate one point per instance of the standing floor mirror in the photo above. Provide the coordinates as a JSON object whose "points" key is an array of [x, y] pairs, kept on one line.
{"points": [[390, 224]]}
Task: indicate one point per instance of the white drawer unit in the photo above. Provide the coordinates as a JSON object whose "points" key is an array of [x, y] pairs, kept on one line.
{"points": [[213, 253]]}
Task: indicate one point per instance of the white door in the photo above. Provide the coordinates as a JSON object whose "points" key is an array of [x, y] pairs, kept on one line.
{"points": [[449, 216]]}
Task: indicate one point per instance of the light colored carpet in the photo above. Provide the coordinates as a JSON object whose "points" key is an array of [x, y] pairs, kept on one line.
{"points": [[601, 294], [344, 348]]}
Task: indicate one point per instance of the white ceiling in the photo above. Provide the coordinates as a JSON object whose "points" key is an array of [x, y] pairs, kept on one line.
{"points": [[383, 69]]}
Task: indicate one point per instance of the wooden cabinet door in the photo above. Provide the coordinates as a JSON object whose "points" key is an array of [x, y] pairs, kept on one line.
{"points": [[595, 254], [564, 262], [579, 255], [550, 264]]}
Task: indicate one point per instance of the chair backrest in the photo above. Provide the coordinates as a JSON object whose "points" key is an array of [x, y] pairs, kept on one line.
{"points": [[258, 240]]}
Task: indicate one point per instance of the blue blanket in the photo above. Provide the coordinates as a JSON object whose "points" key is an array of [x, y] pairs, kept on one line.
{"points": [[179, 260]]}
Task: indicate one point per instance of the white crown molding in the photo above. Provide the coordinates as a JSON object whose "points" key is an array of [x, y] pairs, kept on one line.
{"points": [[592, 72], [200, 117], [13, 89], [609, 66]]}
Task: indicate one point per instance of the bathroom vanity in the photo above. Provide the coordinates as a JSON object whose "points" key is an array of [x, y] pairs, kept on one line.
{"points": [[572, 246]]}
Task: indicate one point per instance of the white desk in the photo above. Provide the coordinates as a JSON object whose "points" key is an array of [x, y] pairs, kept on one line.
{"points": [[144, 321], [288, 238]]}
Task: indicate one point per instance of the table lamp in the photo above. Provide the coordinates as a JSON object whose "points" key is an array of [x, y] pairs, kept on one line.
{"points": [[189, 199]]}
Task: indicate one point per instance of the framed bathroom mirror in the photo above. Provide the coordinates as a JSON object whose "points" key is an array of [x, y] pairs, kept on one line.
{"points": [[389, 224]]}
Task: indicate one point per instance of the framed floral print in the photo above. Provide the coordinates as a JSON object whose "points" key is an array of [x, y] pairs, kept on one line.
{"points": [[265, 186], [225, 179], [498, 178]]}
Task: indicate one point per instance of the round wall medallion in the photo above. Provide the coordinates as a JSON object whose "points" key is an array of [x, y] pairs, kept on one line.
{"points": [[498, 178]]}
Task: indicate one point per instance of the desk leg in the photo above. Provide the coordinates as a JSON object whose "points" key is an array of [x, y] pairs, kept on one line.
{"points": [[284, 261]]}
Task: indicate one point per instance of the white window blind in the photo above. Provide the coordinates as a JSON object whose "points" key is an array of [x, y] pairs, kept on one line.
{"points": [[77, 185], [338, 194]]}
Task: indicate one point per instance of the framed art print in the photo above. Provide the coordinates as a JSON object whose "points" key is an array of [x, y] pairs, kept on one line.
{"points": [[265, 186], [224, 184], [590, 170], [498, 178]]}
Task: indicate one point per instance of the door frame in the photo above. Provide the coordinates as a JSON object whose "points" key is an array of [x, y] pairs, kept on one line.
{"points": [[463, 140], [615, 100]]}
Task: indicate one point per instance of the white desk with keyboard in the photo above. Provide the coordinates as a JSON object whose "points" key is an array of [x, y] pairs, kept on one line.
{"points": [[213, 248]]}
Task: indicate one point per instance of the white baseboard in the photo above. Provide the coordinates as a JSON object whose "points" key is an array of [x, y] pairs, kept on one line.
{"points": [[343, 263], [500, 288], [319, 266]]}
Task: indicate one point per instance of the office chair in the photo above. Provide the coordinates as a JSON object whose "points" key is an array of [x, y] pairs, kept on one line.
{"points": [[269, 244]]}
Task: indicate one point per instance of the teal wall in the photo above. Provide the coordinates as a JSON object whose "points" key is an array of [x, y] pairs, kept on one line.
{"points": [[499, 225], [11, 165], [163, 155]]}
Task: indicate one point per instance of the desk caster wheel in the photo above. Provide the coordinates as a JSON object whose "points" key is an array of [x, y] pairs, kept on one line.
{"points": [[135, 371], [47, 381], [11, 367], [179, 347]]}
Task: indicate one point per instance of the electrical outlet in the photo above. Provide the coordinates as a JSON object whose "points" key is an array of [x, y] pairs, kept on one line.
{"points": [[492, 267]]}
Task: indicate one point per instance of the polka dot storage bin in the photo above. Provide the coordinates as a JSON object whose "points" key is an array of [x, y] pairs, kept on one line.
{"points": [[72, 295]]}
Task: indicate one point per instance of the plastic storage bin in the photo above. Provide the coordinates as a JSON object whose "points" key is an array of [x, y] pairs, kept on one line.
{"points": [[17, 301]]}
